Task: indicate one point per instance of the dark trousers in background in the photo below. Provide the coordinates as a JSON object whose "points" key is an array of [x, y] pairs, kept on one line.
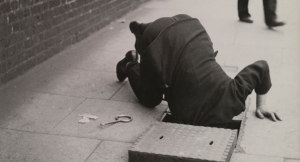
{"points": [[269, 10]]}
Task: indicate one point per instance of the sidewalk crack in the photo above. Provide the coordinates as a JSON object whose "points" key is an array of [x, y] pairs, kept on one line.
{"points": [[66, 116], [117, 91]]}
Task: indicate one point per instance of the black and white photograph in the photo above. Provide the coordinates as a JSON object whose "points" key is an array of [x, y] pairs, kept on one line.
{"points": [[149, 80]]}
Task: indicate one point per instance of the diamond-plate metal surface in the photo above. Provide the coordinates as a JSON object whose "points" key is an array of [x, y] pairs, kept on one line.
{"points": [[177, 142]]}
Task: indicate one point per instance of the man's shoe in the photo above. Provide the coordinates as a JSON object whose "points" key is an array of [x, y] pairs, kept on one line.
{"points": [[275, 24], [246, 20], [122, 65]]}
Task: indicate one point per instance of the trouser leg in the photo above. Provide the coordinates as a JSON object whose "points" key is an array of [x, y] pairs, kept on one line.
{"points": [[145, 90], [243, 8], [270, 10], [255, 76]]}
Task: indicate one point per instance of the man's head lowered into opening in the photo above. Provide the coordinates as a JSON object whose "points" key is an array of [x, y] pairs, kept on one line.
{"points": [[145, 34]]}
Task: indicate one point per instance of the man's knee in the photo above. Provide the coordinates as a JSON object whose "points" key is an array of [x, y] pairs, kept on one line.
{"points": [[150, 103], [150, 98]]}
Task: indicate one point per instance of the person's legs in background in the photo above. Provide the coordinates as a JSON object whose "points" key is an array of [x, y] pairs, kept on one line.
{"points": [[270, 13], [243, 11]]}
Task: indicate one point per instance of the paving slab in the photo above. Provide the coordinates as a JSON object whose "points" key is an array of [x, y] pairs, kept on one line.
{"points": [[175, 5], [100, 52], [107, 111], [279, 139], [286, 75], [258, 34], [29, 147], [289, 10], [291, 56], [221, 36], [71, 82], [284, 94], [32, 111], [220, 24], [263, 37], [214, 11], [237, 157], [251, 53], [291, 160], [283, 101], [291, 37], [225, 51], [110, 151], [125, 94]]}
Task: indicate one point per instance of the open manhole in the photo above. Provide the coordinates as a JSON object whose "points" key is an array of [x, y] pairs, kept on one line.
{"points": [[169, 141], [235, 124]]}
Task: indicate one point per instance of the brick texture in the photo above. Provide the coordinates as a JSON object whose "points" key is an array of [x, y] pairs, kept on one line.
{"points": [[31, 31]]}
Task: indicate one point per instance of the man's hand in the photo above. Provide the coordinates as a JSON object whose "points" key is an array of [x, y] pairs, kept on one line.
{"points": [[262, 111]]}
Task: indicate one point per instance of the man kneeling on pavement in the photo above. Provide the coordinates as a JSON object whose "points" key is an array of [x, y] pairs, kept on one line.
{"points": [[178, 62]]}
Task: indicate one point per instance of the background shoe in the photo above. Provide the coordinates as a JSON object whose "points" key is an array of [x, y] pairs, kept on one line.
{"points": [[275, 24], [246, 20], [122, 65]]}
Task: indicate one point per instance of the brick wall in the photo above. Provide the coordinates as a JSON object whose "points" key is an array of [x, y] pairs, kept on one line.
{"points": [[32, 31]]}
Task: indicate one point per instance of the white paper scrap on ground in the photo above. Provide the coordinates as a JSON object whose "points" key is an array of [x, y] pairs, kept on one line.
{"points": [[86, 118]]}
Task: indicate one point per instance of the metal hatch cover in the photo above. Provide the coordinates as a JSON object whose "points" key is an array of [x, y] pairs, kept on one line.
{"points": [[169, 142]]}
